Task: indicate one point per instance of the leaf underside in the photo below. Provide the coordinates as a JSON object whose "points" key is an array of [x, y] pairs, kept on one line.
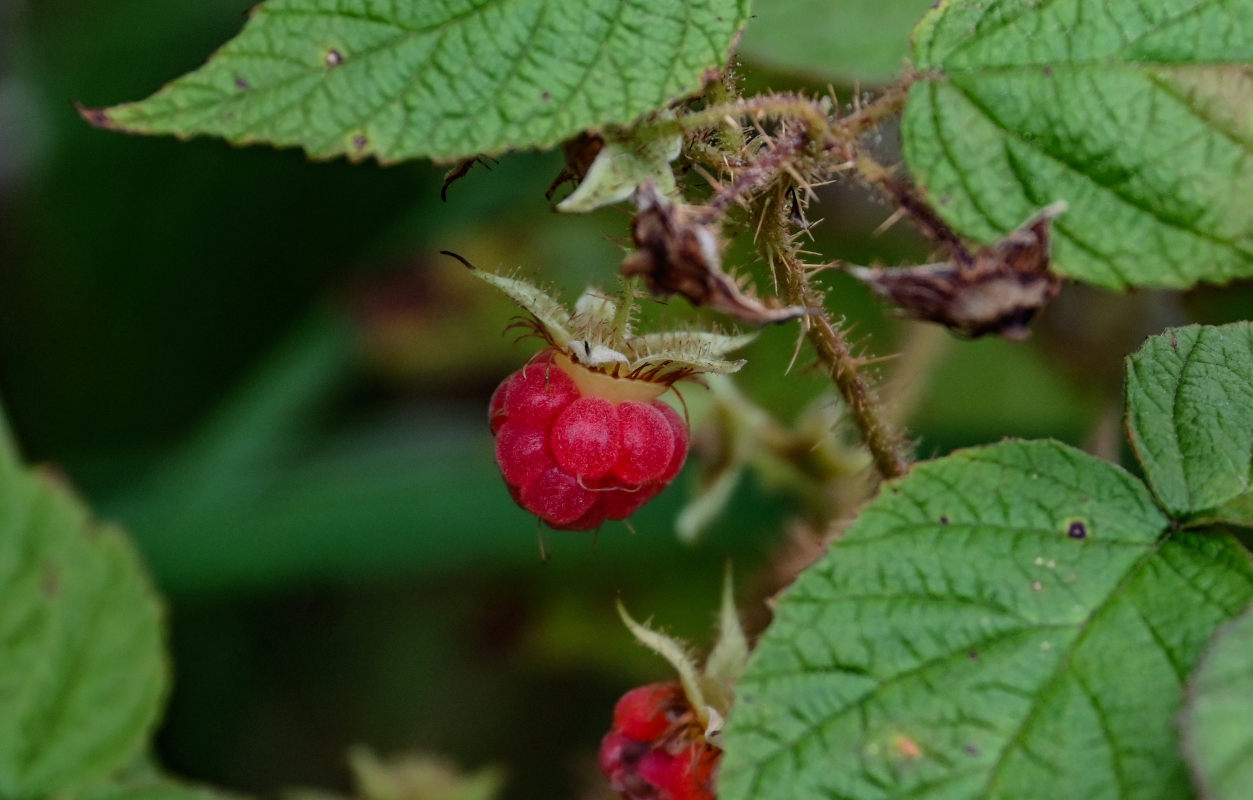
{"points": [[1138, 115], [1190, 419], [80, 639], [440, 79], [1008, 622]]}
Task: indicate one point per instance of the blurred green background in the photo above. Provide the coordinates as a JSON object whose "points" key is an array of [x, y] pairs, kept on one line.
{"points": [[262, 368]]}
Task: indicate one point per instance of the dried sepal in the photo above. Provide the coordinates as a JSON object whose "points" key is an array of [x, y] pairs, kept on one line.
{"points": [[598, 335], [999, 290], [677, 254]]}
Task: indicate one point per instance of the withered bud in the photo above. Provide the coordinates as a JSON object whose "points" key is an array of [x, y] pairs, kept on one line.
{"points": [[999, 291], [579, 154], [677, 255], [460, 170]]}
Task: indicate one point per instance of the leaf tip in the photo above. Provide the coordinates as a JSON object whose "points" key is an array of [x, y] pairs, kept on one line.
{"points": [[464, 261], [97, 117]]}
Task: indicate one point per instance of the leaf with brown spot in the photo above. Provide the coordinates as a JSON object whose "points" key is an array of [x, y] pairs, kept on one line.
{"points": [[439, 79]]}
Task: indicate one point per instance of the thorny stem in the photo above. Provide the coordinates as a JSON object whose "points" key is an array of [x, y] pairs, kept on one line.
{"points": [[839, 134], [875, 174], [725, 91], [886, 105], [756, 176], [833, 133], [778, 247], [813, 127]]}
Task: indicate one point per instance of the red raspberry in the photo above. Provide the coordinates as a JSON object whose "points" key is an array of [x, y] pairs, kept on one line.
{"points": [[646, 445], [587, 437], [656, 750], [687, 775], [647, 712], [578, 447]]}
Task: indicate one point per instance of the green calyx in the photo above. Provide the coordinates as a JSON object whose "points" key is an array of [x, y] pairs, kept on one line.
{"points": [[598, 335]]}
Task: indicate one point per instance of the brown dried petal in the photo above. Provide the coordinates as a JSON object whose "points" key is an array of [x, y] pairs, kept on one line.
{"points": [[579, 154], [1000, 292], [676, 255]]}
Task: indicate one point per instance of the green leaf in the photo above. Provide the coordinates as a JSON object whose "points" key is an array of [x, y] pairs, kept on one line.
{"points": [[1190, 418], [151, 788], [1218, 722], [82, 669], [1008, 622], [441, 79], [1138, 115], [845, 42]]}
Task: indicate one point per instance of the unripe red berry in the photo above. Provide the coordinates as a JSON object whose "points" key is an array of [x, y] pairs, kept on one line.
{"points": [[578, 447]]}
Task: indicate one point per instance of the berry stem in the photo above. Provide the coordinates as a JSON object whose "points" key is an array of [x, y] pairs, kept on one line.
{"points": [[778, 247], [626, 307]]}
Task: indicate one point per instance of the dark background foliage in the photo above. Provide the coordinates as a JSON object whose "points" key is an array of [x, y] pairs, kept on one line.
{"points": [[262, 368]]}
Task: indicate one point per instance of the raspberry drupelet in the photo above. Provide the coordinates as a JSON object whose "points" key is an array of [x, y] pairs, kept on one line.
{"points": [[578, 447], [656, 750]]}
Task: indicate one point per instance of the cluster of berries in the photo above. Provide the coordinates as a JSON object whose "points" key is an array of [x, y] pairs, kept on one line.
{"points": [[656, 749], [576, 449]]}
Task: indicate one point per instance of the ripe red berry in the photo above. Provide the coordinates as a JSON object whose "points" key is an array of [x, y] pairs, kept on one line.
{"points": [[646, 712], [646, 445], [586, 437], [578, 447], [656, 750], [686, 775]]}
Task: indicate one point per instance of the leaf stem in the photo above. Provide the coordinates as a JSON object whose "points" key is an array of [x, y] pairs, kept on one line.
{"points": [[758, 174], [622, 316]]}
